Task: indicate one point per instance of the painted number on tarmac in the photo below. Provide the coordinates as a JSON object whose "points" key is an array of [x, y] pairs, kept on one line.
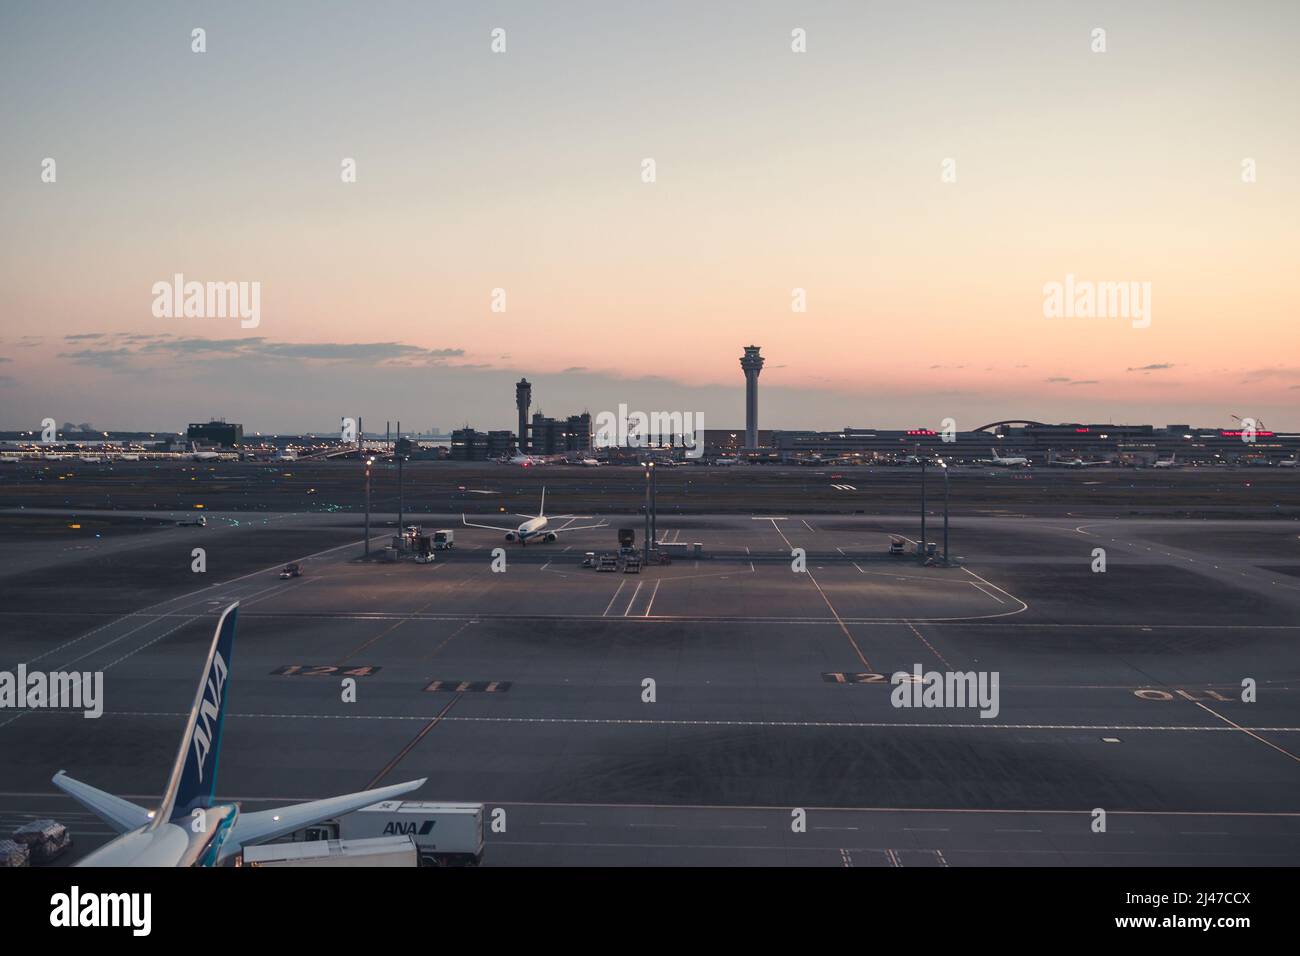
{"points": [[470, 686], [325, 670], [1152, 693], [836, 677]]}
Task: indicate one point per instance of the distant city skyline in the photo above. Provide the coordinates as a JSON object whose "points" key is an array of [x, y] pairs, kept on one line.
{"points": [[884, 214]]}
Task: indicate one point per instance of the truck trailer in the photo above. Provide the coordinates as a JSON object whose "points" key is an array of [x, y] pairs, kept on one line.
{"points": [[385, 851], [445, 834]]}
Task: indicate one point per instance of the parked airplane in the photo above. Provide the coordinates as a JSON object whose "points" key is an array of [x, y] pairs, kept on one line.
{"points": [[536, 526], [195, 455], [1012, 462], [1171, 463], [519, 458], [1079, 463], [1287, 463], [189, 828]]}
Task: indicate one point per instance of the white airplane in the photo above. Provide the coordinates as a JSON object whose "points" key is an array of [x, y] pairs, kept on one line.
{"points": [[1287, 463], [195, 455], [1012, 462], [189, 827], [588, 463], [526, 461], [287, 455], [1079, 463], [1171, 463], [536, 526]]}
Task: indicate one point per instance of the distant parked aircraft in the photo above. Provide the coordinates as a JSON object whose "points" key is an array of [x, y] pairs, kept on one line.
{"points": [[525, 461], [1010, 462], [535, 527], [195, 455]]}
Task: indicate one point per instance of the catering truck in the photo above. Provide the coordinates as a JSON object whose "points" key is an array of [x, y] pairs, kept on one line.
{"points": [[445, 834]]}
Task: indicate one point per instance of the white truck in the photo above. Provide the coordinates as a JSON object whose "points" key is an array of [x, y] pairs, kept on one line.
{"points": [[386, 851], [444, 539], [445, 834]]}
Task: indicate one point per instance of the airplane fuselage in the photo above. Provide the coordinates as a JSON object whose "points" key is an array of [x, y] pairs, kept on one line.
{"points": [[170, 844], [532, 528]]}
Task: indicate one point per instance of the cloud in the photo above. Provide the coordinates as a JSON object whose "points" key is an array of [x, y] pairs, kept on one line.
{"points": [[1155, 367], [137, 350], [575, 368], [82, 336], [100, 358], [1277, 371], [1087, 381], [1057, 378]]}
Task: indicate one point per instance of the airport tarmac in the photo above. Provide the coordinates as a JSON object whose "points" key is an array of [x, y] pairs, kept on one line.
{"points": [[525, 689], [432, 487]]}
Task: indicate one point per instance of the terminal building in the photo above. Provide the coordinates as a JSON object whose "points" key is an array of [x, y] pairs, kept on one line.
{"points": [[553, 436], [467, 444], [219, 433], [1041, 443]]}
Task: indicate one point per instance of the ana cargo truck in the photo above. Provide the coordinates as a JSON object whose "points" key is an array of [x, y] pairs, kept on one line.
{"points": [[445, 834]]}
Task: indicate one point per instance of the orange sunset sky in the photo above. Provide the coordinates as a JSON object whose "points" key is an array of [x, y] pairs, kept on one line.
{"points": [[775, 171]]}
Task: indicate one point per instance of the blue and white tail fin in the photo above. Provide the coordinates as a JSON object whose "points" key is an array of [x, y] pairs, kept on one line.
{"points": [[193, 779]]}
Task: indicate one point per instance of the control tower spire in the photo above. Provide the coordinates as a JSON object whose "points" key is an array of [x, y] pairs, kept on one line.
{"points": [[752, 363]]}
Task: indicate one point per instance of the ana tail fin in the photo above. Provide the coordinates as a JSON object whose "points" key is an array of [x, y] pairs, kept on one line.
{"points": [[194, 775]]}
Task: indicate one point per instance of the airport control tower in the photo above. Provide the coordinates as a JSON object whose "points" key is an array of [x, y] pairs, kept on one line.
{"points": [[752, 363], [523, 399]]}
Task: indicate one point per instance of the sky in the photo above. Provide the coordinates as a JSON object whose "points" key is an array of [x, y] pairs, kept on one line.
{"points": [[922, 173]]}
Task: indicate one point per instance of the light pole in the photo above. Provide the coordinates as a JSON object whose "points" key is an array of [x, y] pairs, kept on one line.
{"points": [[402, 450], [944, 465], [925, 547], [654, 505], [649, 479], [369, 462]]}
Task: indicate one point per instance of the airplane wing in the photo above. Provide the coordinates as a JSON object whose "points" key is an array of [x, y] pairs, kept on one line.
{"points": [[262, 825], [582, 527], [489, 527], [122, 815]]}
